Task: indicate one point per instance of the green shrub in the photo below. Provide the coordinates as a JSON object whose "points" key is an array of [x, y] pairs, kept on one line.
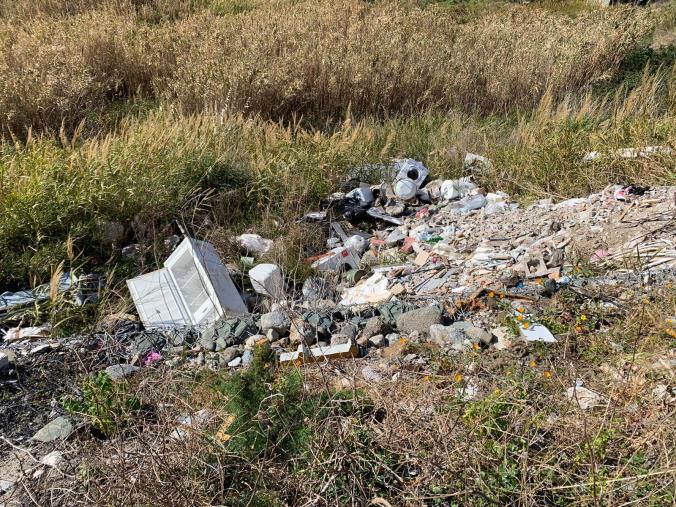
{"points": [[107, 405]]}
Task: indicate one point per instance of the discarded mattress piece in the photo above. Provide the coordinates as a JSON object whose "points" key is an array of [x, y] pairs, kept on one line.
{"points": [[193, 289]]}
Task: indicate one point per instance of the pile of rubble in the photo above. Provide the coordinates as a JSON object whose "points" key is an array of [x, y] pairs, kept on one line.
{"points": [[407, 258]]}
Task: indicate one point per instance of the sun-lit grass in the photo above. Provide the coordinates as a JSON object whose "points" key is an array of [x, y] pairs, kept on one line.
{"points": [[317, 59]]}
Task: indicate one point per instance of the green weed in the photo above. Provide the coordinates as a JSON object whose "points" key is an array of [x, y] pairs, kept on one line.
{"points": [[107, 405]]}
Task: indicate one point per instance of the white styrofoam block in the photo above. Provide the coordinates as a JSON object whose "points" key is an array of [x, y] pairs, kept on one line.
{"points": [[267, 279]]}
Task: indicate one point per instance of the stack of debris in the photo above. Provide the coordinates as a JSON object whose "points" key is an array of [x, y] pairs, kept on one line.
{"points": [[407, 259]]}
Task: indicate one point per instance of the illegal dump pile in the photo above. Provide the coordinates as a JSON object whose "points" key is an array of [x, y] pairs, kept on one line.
{"points": [[408, 259], [412, 264]]}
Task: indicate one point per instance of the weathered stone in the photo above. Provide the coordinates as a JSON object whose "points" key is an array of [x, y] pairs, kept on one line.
{"points": [[233, 331], [58, 429], [119, 371], [252, 340], [53, 459], [503, 337], [478, 335], [235, 362], [392, 338], [275, 320], [339, 339], [419, 320], [302, 332], [221, 344], [390, 311], [321, 321], [208, 342], [272, 335], [229, 354], [374, 326], [247, 357], [377, 341], [363, 341], [349, 330], [446, 336]]}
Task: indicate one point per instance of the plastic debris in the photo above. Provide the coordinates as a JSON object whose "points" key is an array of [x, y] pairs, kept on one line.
{"points": [[335, 259], [84, 289], [376, 213], [536, 333], [255, 244], [585, 398], [27, 333], [363, 193], [456, 189]]}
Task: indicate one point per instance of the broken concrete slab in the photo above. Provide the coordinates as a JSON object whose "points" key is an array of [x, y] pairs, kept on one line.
{"points": [[120, 371], [419, 320], [58, 429]]}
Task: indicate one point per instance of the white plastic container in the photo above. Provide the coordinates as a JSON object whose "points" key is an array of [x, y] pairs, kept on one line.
{"points": [[405, 189]]}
